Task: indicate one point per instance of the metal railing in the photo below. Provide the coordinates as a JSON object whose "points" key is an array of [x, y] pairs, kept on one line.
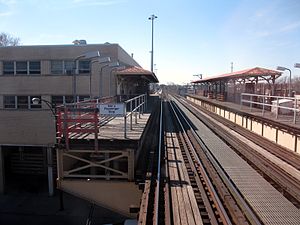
{"points": [[136, 106], [266, 102]]}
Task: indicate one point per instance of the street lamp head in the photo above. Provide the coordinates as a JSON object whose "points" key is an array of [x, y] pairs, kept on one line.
{"points": [[152, 17], [36, 101], [297, 65], [281, 68], [198, 75]]}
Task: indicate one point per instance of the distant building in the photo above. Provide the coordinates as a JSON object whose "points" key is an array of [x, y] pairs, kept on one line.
{"points": [[27, 131]]}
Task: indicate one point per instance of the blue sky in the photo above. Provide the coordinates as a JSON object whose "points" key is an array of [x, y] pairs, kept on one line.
{"points": [[190, 36]]}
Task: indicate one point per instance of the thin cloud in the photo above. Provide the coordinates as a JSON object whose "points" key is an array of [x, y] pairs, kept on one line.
{"points": [[8, 13], [7, 7], [291, 26]]}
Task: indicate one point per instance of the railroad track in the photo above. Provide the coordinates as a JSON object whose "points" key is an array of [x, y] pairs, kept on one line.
{"points": [[188, 191], [191, 186], [278, 177]]}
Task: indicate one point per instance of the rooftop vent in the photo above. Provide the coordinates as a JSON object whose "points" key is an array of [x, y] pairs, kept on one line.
{"points": [[79, 42]]}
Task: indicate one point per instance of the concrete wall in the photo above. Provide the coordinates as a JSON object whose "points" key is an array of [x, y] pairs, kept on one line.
{"points": [[34, 127]]}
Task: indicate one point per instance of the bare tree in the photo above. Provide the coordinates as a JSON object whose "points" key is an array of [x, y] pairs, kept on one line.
{"points": [[8, 40]]}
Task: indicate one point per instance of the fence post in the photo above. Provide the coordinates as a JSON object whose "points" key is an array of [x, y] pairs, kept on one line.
{"points": [[139, 102], [277, 107], [135, 111], [263, 109], [125, 117], [295, 109], [241, 104], [130, 115]]}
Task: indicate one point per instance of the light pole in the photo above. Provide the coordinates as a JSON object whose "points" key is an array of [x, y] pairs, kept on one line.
{"points": [[87, 55], [112, 64], [100, 61], [111, 71], [281, 68], [152, 18]]}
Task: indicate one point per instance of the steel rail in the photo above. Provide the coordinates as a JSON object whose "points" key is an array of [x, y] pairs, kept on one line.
{"points": [[214, 195], [238, 197], [156, 212]]}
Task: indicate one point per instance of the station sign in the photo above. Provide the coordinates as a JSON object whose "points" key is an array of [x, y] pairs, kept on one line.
{"points": [[112, 109]]}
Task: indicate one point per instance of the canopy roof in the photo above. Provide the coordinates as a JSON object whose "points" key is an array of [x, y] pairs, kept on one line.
{"points": [[138, 71], [248, 74]]}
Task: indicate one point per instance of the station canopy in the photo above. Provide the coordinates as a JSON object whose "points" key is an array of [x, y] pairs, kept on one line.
{"points": [[136, 72], [248, 75]]}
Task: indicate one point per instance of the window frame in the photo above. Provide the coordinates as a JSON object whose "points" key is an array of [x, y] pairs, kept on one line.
{"points": [[34, 71], [5, 104], [57, 71], [84, 70], [21, 71], [13, 68]]}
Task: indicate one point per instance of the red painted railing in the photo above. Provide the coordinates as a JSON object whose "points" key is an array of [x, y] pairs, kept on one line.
{"points": [[79, 120]]}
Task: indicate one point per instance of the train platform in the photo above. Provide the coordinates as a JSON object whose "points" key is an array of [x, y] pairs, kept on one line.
{"points": [[255, 112], [100, 145], [279, 128], [270, 205], [113, 128]]}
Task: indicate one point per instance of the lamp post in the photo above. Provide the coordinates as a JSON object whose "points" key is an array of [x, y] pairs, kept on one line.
{"points": [[152, 18], [87, 55], [281, 68], [112, 64], [52, 107], [111, 71], [100, 61]]}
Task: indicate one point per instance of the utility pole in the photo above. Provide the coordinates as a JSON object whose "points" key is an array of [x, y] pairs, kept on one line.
{"points": [[231, 67], [152, 18]]}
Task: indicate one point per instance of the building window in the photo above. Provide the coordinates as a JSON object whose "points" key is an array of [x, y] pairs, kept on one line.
{"points": [[34, 67], [84, 66], [83, 98], [9, 102], [69, 67], [60, 99], [57, 100], [33, 106], [68, 99], [21, 67], [22, 102], [8, 68], [57, 67]]}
